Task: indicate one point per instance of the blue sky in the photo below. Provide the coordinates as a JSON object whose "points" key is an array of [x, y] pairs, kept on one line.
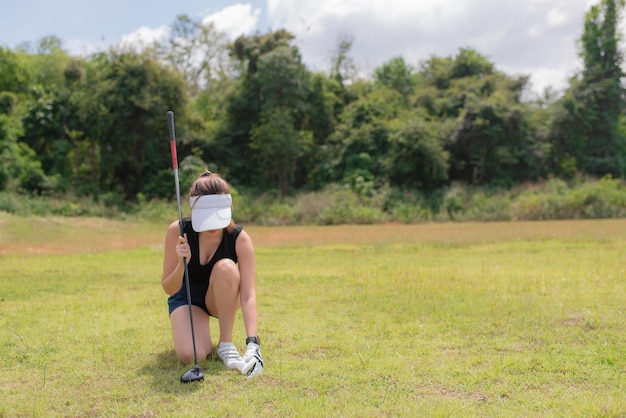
{"points": [[27, 20], [533, 37]]}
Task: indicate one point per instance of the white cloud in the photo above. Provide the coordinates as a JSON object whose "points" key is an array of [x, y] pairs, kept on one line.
{"points": [[236, 20], [79, 47], [144, 37], [137, 40], [557, 17], [533, 37]]}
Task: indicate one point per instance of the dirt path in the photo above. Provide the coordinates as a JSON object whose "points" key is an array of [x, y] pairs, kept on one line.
{"points": [[61, 235]]}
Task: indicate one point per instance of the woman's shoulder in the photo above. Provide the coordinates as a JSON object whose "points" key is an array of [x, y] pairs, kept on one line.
{"points": [[244, 244], [174, 227], [240, 234]]}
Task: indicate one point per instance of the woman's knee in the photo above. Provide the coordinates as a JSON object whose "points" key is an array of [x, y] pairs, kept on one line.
{"points": [[185, 354], [226, 270], [181, 332]]}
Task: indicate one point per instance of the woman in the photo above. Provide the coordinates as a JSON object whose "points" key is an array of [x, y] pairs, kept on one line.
{"points": [[222, 276]]}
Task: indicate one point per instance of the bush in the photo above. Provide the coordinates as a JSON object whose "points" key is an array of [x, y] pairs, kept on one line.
{"points": [[488, 208], [29, 205], [309, 206], [345, 206], [156, 209], [453, 201], [605, 198], [338, 204], [410, 213]]}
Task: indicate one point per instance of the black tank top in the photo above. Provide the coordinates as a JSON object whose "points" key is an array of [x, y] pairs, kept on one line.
{"points": [[199, 273]]}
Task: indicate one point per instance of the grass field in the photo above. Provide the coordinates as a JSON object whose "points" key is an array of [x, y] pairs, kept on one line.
{"points": [[497, 319]]}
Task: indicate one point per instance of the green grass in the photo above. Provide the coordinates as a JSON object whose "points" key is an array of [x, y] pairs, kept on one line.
{"points": [[502, 319]]}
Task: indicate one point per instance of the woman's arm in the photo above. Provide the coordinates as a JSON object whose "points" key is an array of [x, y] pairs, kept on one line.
{"points": [[176, 247], [247, 271]]}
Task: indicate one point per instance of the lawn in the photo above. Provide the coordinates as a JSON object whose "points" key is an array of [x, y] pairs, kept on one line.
{"points": [[468, 319]]}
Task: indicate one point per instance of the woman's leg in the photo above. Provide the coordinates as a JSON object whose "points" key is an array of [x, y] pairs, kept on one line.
{"points": [[181, 331], [222, 298]]}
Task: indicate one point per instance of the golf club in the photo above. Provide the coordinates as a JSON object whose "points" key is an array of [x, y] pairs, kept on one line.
{"points": [[195, 373]]}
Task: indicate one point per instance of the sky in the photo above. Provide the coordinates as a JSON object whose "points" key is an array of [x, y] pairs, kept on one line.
{"points": [[537, 38]]}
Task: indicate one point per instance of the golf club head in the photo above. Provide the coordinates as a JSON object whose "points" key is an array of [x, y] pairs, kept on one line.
{"points": [[192, 375]]}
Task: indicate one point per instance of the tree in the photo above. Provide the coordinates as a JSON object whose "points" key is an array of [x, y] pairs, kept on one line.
{"points": [[469, 63], [493, 140], [50, 119], [343, 69], [198, 51], [320, 119], [278, 144], [358, 147], [284, 87], [273, 82], [323, 102], [417, 156], [397, 75], [19, 169], [283, 80], [586, 128], [124, 109], [14, 77], [602, 90], [48, 63], [446, 82]]}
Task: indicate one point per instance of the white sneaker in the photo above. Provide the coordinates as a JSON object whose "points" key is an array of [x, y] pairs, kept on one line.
{"points": [[253, 360], [227, 352]]}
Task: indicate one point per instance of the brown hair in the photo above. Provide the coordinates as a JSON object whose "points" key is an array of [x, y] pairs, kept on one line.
{"points": [[211, 183]]}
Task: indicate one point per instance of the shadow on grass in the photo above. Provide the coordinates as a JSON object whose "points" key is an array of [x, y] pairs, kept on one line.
{"points": [[165, 370]]}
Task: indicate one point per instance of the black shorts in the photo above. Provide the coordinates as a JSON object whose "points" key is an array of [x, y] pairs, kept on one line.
{"points": [[180, 299]]}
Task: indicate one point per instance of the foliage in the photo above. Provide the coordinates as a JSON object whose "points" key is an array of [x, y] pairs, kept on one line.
{"points": [[47, 206], [14, 77], [586, 132], [198, 51], [364, 204], [275, 85], [362, 137], [20, 170], [417, 157], [343, 67], [492, 139], [126, 112], [603, 199], [397, 75], [252, 111]]}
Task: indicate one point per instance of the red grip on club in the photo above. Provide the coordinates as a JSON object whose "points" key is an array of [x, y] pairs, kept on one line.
{"points": [[174, 156], [170, 124]]}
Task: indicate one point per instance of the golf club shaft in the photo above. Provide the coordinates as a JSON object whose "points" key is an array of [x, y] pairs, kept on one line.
{"points": [[170, 123]]}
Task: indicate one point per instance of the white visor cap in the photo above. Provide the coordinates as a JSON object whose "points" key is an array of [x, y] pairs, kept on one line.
{"points": [[211, 211]]}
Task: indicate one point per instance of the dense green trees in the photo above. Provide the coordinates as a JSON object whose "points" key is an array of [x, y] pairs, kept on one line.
{"points": [[266, 121], [587, 126], [127, 98], [253, 111]]}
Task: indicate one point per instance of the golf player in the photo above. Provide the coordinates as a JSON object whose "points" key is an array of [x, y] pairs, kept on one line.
{"points": [[222, 275]]}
